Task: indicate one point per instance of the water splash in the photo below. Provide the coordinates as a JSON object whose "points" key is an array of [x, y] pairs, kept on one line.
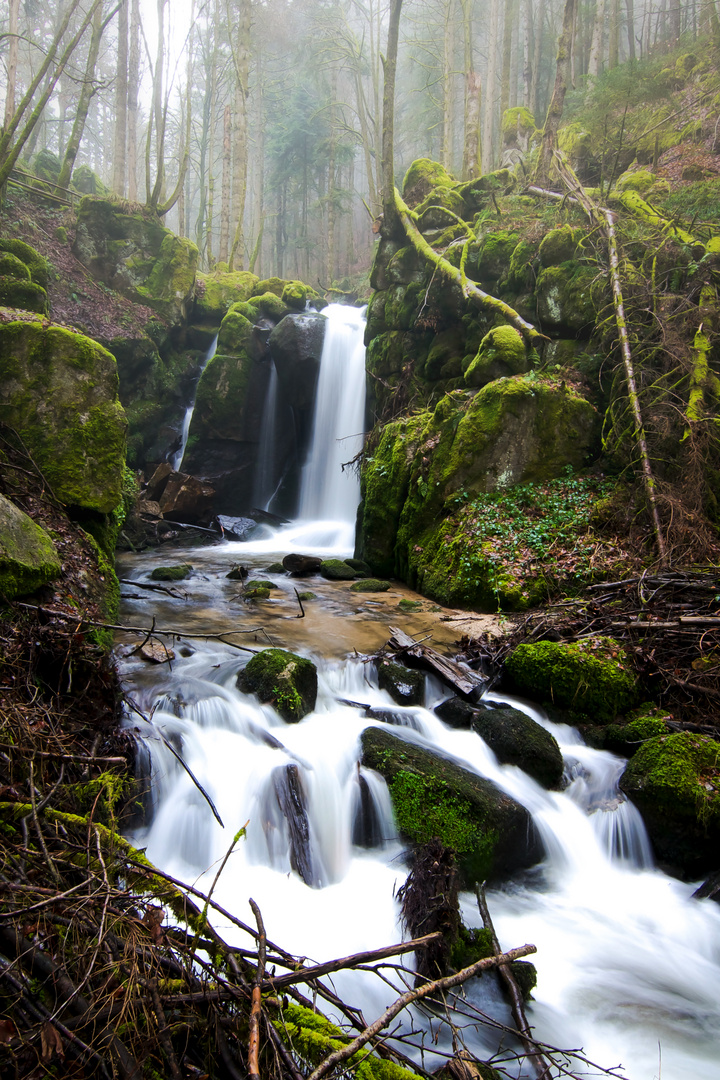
{"points": [[176, 459]]}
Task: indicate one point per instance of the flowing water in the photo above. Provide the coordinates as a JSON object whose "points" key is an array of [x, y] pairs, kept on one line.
{"points": [[176, 460], [628, 964]]}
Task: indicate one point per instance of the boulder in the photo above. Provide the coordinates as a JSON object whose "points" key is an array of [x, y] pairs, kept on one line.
{"points": [[235, 528], [338, 570], [158, 482], [302, 565], [59, 391], [185, 498], [674, 782], [28, 557], [516, 739], [370, 585], [288, 682], [566, 299], [405, 685], [435, 797], [502, 352], [131, 251], [594, 677], [172, 573], [217, 291]]}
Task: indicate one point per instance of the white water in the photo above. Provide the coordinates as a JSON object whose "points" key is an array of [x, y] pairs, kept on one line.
{"points": [[628, 965], [328, 492], [176, 460], [265, 475]]}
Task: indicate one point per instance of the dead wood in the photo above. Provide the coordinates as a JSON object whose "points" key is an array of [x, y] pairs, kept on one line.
{"points": [[466, 683]]}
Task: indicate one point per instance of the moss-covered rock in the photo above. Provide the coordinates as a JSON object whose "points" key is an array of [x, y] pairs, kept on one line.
{"points": [[295, 295], [558, 245], [438, 208], [675, 782], [593, 676], [11, 266], [636, 180], [267, 305], [516, 739], [288, 682], [87, 182], [172, 573], [433, 797], [502, 352], [217, 291], [520, 272], [405, 685], [338, 570], [627, 736], [273, 285], [59, 390], [565, 297], [37, 265], [491, 259], [28, 557], [23, 294], [370, 585], [420, 179], [518, 127]]}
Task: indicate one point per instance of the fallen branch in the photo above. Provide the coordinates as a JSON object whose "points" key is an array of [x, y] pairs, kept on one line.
{"points": [[437, 986], [256, 1000], [277, 982], [464, 681]]}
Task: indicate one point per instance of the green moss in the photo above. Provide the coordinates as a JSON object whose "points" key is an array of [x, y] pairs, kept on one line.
{"points": [[58, 389], [170, 284], [217, 291], [104, 796], [11, 266], [678, 774], [492, 257], [273, 285], [38, 266], [24, 295], [422, 176], [88, 182], [520, 269], [268, 305], [517, 121], [370, 585], [502, 352], [593, 676], [410, 605], [638, 180], [565, 297], [28, 557], [559, 245], [256, 592], [287, 681], [294, 295], [337, 570], [172, 573]]}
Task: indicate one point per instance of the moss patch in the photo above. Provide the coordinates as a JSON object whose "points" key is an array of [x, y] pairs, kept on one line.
{"points": [[287, 681], [28, 557], [172, 573]]}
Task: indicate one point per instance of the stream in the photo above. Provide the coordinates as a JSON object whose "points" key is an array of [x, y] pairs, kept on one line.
{"points": [[628, 964]]}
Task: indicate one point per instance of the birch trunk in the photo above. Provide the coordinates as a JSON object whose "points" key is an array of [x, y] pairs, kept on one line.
{"points": [[86, 93], [132, 101], [121, 103]]}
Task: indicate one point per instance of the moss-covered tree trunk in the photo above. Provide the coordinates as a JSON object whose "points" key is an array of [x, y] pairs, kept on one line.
{"points": [[555, 109], [388, 129], [471, 164], [121, 102], [87, 91], [12, 61]]}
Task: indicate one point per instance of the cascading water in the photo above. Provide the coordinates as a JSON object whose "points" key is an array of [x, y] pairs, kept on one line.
{"points": [[265, 483], [329, 493], [176, 460], [626, 960]]}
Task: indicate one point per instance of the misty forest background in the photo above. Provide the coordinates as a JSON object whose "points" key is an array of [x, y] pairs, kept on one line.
{"points": [[254, 127]]}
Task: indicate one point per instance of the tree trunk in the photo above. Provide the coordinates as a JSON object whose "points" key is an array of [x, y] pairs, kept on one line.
{"points": [[614, 35], [448, 85], [86, 93], [537, 53], [241, 58], [527, 61], [121, 103], [12, 61], [132, 105], [630, 8], [471, 163], [490, 89], [388, 128], [179, 190], [507, 55], [596, 47], [331, 209], [555, 109], [158, 107], [225, 192]]}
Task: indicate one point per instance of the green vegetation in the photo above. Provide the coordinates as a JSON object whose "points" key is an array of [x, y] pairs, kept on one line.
{"points": [[287, 681], [172, 573]]}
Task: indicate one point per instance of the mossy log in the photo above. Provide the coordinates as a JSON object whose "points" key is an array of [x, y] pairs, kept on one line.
{"points": [[470, 289]]}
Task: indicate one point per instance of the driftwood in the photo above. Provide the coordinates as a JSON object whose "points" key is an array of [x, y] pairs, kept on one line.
{"points": [[466, 683], [514, 993]]}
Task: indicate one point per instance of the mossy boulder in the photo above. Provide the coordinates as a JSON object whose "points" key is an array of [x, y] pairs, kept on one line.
{"points": [[59, 391], [516, 739], [28, 557], [370, 585], [559, 245], [638, 180], [444, 358], [295, 295], [217, 291], [594, 676], [172, 573], [338, 570], [37, 265], [674, 780], [577, 143], [491, 259], [434, 797], [566, 298], [520, 272], [437, 210], [502, 352], [287, 681], [23, 294], [87, 182], [406, 686], [265, 306], [627, 735], [421, 178], [273, 285], [404, 267], [128, 249], [518, 127], [46, 165], [11, 266]]}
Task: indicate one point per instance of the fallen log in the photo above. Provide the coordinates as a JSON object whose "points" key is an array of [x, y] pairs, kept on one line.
{"points": [[463, 681]]}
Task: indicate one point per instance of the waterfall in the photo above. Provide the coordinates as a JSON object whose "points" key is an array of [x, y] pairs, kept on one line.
{"points": [[626, 960], [328, 493], [176, 460]]}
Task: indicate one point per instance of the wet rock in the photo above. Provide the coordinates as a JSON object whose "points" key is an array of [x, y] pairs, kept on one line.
{"points": [[404, 685], [186, 498], [516, 739], [302, 565], [172, 573], [456, 713], [292, 802], [285, 680], [337, 570], [370, 585], [434, 797], [238, 573], [710, 889], [367, 827], [158, 482], [235, 528], [673, 781], [155, 652], [275, 568]]}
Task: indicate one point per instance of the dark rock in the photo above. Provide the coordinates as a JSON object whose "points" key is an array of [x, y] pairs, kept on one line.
{"points": [[404, 685], [287, 681], [367, 825], [235, 528], [264, 517], [292, 802], [456, 713], [710, 889], [516, 739], [360, 566], [275, 568], [238, 573], [435, 797], [158, 482], [186, 498], [301, 565], [172, 573]]}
